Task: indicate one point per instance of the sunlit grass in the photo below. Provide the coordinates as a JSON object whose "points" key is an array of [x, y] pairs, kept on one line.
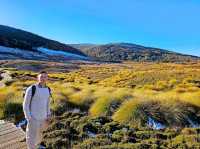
{"points": [[85, 96], [122, 93], [192, 98], [126, 111], [163, 91], [169, 108], [108, 100], [101, 106]]}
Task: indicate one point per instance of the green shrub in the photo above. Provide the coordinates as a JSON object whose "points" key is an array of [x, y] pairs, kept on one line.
{"points": [[13, 111]]}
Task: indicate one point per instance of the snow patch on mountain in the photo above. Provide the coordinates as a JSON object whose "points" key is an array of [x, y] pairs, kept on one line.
{"points": [[39, 53], [59, 53], [15, 52]]}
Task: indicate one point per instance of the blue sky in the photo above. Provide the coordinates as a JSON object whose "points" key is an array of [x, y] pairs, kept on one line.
{"points": [[168, 24]]}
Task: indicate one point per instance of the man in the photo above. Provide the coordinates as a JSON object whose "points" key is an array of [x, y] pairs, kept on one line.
{"points": [[37, 110]]}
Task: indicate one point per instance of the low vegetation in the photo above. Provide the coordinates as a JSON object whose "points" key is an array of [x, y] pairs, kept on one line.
{"points": [[132, 99]]}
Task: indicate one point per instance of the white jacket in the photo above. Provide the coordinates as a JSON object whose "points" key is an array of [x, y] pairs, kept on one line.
{"points": [[39, 108]]}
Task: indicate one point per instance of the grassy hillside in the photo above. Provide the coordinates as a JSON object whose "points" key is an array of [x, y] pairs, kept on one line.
{"points": [[16, 38], [127, 51], [138, 96], [29, 47]]}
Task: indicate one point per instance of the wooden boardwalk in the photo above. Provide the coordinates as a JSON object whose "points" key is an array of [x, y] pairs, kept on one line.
{"points": [[11, 137]]}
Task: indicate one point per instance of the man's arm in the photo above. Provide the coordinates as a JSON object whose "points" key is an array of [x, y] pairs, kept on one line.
{"points": [[48, 103], [48, 109], [26, 103]]}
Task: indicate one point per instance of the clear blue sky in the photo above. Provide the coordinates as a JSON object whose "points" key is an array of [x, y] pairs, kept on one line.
{"points": [[169, 24]]}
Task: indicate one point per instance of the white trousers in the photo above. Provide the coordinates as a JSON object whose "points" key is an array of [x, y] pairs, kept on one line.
{"points": [[34, 131]]}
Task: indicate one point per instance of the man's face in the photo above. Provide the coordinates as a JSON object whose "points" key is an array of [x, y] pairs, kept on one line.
{"points": [[42, 78]]}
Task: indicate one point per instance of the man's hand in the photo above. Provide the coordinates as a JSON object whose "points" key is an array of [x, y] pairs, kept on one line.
{"points": [[29, 119], [48, 119], [45, 124]]}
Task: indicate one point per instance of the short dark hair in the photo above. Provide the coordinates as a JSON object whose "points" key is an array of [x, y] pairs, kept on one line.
{"points": [[42, 72]]}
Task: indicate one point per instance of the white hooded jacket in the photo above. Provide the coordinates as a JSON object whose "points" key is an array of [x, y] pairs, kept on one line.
{"points": [[39, 107]]}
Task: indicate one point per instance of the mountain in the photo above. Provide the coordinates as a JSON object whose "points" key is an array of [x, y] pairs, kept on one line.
{"points": [[19, 44], [128, 51]]}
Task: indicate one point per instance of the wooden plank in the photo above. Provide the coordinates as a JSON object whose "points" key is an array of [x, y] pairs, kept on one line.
{"points": [[11, 137], [6, 125], [16, 142], [12, 129]]}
